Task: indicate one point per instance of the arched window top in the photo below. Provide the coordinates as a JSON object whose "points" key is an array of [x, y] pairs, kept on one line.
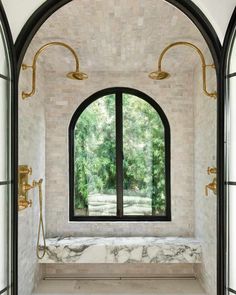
{"points": [[119, 152]]}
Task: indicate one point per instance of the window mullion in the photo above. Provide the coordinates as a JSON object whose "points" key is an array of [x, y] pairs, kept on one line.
{"points": [[119, 153]]}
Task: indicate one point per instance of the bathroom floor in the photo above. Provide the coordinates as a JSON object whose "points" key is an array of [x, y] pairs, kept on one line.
{"points": [[124, 287]]}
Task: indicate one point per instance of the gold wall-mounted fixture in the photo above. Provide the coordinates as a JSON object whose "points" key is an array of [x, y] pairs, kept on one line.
{"points": [[23, 187], [76, 75], [212, 185], [160, 74], [23, 202], [211, 170]]}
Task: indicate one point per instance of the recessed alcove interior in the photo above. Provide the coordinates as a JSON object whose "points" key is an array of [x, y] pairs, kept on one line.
{"points": [[118, 43]]}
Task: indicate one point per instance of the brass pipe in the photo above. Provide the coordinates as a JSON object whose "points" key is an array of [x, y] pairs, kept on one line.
{"points": [[204, 65], [72, 75]]}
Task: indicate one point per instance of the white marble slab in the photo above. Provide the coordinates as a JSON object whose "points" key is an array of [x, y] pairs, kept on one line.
{"points": [[122, 250]]}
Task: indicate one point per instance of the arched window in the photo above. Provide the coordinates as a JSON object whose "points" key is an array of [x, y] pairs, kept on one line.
{"points": [[119, 157]]}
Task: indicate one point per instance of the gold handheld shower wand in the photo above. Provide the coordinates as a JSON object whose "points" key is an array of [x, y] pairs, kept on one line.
{"points": [[41, 224], [161, 75], [76, 75], [23, 202]]}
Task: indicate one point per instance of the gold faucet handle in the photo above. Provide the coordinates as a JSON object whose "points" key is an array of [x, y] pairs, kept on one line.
{"points": [[212, 186], [211, 170], [25, 170], [24, 203]]}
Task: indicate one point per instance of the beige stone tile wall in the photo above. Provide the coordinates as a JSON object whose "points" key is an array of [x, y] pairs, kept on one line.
{"points": [[205, 155], [62, 98], [32, 153], [44, 121], [59, 97]]}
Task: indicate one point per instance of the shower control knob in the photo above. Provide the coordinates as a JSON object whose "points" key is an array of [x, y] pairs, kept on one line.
{"points": [[211, 170]]}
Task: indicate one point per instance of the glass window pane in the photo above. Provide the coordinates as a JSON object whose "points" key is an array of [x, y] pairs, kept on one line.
{"points": [[4, 236], [4, 64], [144, 158], [232, 236], [4, 129], [232, 132], [94, 159], [232, 57]]}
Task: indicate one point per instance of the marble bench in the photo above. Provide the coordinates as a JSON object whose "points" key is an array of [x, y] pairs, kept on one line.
{"points": [[122, 250]]}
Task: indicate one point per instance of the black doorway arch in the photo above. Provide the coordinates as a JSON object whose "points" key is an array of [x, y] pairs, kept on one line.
{"points": [[202, 23]]}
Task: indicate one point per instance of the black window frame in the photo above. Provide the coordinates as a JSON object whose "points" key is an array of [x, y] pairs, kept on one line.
{"points": [[10, 182], [118, 91]]}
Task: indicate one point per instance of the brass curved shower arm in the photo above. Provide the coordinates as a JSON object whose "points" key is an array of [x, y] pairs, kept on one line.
{"points": [[33, 66], [204, 65]]}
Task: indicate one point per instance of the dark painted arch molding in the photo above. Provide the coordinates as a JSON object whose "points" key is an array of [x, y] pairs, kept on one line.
{"points": [[222, 215], [200, 20], [14, 153], [227, 42]]}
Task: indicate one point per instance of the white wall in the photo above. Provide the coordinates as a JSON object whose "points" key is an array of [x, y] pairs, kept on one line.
{"points": [[205, 111], [218, 13], [32, 153]]}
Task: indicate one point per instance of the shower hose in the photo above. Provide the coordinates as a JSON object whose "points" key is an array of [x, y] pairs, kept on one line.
{"points": [[41, 224]]}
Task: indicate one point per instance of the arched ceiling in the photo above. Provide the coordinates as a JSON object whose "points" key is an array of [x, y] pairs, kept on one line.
{"points": [[119, 35]]}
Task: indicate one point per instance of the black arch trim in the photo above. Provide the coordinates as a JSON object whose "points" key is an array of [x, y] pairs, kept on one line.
{"points": [[222, 280]]}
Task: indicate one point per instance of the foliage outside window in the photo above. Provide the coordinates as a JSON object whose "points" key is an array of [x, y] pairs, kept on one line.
{"points": [[120, 133]]}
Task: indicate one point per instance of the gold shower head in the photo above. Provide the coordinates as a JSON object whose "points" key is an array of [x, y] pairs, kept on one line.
{"points": [[77, 75], [159, 75]]}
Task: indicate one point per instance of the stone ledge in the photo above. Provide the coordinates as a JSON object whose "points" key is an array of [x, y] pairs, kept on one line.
{"points": [[122, 250]]}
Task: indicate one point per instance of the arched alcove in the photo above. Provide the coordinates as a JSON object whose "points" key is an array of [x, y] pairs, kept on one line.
{"points": [[197, 17]]}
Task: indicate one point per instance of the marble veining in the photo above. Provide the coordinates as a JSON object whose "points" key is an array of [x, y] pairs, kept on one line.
{"points": [[122, 250]]}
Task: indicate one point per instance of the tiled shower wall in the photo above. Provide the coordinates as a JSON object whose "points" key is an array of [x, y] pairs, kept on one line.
{"points": [[32, 153], [190, 147], [205, 110], [175, 96]]}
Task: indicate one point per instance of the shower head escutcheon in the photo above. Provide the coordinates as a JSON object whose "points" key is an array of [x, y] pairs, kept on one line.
{"points": [[161, 75], [75, 75]]}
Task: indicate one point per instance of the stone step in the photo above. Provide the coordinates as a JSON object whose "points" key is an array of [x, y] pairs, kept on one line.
{"points": [[120, 287]]}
